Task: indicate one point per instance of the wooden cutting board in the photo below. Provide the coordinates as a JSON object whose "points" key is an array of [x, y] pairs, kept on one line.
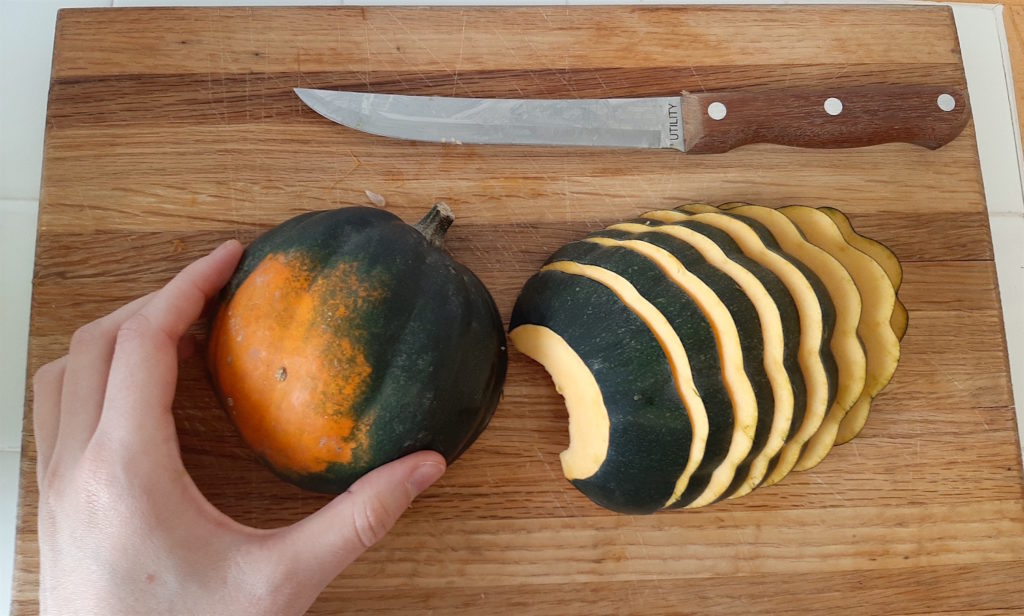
{"points": [[171, 130]]}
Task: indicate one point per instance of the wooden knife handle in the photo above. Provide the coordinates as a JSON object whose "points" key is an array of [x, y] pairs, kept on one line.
{"points": [[928, 116]]}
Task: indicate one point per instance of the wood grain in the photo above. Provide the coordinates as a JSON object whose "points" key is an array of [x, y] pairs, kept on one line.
{"points": [[170, 130]]}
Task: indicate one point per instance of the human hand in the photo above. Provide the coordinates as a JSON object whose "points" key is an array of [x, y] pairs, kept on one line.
{"points": [[122, 527]]}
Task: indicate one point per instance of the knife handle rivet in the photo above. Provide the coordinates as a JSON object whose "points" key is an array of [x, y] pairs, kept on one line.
{"points": [[716, 110], [946, 102], [833, 106]]}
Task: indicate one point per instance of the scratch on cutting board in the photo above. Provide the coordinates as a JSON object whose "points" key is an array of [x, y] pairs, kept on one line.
{"points": [[554, 479], [952, 379], [699, 82], [981, 416], [248, 73], [512, 52], [417, 39], [405, 61], [490, 478], [839, 73], [565, 56], [565, 198], [352, 170], [649, 190], [560, 73], [266, 70], [643, 546], [462, 44], [830, 489], [540, 457], [219, 113], [366, 36]]}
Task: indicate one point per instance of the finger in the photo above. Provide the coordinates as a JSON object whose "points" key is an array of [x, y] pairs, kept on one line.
{"points": [[46, 388], [144, 368], [329, 540], [85, 379], [180, 303]]}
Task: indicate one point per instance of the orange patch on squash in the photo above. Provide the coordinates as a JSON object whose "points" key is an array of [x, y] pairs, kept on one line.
{"points": [[288, 366]]}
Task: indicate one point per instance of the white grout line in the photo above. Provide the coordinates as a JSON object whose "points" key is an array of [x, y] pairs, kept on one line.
{"points": [[1011, 91], [982, 35], [17, 249], [26, 53], [10, 471], [983, 39]]}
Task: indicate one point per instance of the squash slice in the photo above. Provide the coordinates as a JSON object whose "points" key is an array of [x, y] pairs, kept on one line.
{"points": [[588, 416], [816, 317], [704, 327], [881, 345], [737, 347], [846, 346], [706, 351], [770, 316], [885, 257], [649, 430], [766, 358]]}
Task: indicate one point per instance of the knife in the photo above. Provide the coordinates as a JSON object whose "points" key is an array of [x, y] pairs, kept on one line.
{"points": [[694, 122]]}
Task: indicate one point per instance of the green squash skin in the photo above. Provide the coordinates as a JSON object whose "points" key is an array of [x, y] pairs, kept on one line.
{"points": [[828, 311], [790, 319], [433, 337], [650, 434], [694, 331], [828, 314], [747, 322]]}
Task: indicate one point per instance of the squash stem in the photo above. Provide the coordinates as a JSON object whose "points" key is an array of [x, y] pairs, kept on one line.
{"points": [[435, 224]]}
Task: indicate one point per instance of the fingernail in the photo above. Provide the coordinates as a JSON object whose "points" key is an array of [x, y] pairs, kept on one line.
{"points": [[224, 246], [425, 475]]}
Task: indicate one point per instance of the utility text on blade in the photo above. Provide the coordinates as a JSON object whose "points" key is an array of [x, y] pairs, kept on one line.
{"points": [[673, 123]]}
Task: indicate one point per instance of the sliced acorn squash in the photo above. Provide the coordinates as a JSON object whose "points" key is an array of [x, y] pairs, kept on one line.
{"points": [[851, 361], [589, 425], [882, 347], [767, 356], [814, 311], [761, 356], [649, 425], [885, 257], [706, 351], [705, 330]]}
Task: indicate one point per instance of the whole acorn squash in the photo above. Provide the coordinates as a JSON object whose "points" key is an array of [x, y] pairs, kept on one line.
{"points": [[347, 339]]}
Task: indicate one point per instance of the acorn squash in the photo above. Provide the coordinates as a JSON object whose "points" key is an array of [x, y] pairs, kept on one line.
{"points": [[886, 259], [881, 344], [873, 248], [689, 308], [611, 361], [847, 347], [813, 370], [346, 339], [706, 351]]}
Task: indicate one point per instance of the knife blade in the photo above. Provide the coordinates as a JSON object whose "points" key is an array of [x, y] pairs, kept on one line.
{"points": [[696, 123]]}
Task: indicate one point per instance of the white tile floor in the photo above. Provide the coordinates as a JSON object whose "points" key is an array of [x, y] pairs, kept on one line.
{"points": [[26, 40]]}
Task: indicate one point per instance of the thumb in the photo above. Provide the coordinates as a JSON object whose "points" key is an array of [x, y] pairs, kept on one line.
{"points": [[329, 540]]}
